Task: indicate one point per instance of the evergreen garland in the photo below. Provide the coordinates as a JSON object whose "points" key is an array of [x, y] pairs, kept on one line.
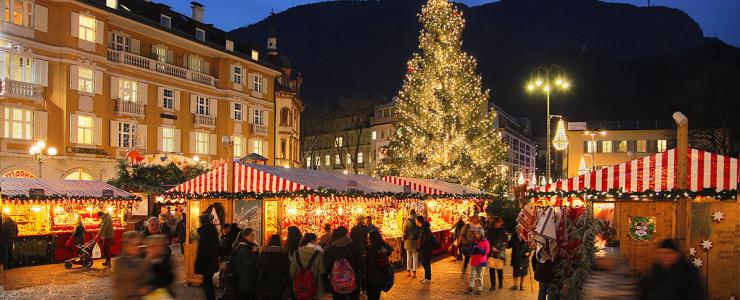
{"points": [[153, 178], [619, 194]]}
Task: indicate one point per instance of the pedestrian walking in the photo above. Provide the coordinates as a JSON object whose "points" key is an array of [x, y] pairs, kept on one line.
{"points": [[369, 224], [496, 236], [672, 276], [181, 232], [457, 230], [274, 267], [9, 235], [325, 238], [466, 238], [131, 266], [342, 260], [478, 261], [160, 276], [519, 259], [206, 260], [543, 274], [306, 268], [358, 234], [152, 227], [411, 244], [105, 234], [293, 241], [426, 245], [243, 264], [379, 270], [611, 279]]}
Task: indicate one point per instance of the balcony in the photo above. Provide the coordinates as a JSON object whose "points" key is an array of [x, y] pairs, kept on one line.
{"points": [[160, 67], [129, 108], [204, 120], [20, 89], [259, 129]]}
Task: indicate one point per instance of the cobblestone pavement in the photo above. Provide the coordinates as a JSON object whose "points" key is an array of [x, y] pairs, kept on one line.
{"points": [[56, 282]]}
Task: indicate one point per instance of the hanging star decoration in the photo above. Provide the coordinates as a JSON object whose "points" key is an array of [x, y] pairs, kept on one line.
{"points": [[698, 263], [692, 251], [718, 216], [706, 244]]}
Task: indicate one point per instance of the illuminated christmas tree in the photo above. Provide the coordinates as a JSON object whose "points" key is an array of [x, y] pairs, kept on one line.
{"points": [[445, 130]]}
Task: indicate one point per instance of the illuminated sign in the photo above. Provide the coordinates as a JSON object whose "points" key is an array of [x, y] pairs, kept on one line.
{"points": [[18, 174]]}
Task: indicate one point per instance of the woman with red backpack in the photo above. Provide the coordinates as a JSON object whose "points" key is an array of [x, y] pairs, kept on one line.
{"points": [[342, 262], [380, 273], [306, 267]]}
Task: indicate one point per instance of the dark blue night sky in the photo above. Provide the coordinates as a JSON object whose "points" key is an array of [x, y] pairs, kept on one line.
{"points": [[718, 18]]}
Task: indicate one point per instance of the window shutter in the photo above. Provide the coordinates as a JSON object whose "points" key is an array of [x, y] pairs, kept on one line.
{"points": [[141, 137], [585, 146], [99, 32], [160, 96], [73, 78], [111, 39], [185, 62], [98, 131], [39, 125], [159, 139], [142, 90], [213, 144], [265, 150], [250, 81], [206, 67], [232, 109], [135, 46], [266, 118], [41, 18], [99, 82], [3, 59], [231, 73], [170, 57], [75, 24], [191, 141], [193, 100], [178, 141], [114, 87], [114, 137], [251, 116], [41, 72], [73, 128], [2, 119], [250, 146], [176, 95], [213, 103]]}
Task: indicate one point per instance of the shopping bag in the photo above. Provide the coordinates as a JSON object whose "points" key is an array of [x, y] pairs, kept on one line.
{"points": [[70, 243], [158, 294], [96, 251], [495, 263]]}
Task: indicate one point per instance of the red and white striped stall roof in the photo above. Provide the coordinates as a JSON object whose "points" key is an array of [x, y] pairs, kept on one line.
{"points": [[431, 186], [212, 181], [657, 172], [60, 187]]}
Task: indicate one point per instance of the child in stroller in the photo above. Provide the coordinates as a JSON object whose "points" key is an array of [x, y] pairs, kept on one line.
{"points": [[84, 250]]}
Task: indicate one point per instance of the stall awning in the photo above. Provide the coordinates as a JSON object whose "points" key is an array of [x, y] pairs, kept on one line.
{"points": [[212, 181], [656, 172], [431, 186], [12, 187]]}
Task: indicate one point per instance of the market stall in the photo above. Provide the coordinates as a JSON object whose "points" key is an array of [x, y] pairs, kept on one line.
{"points": [[639, 203], [45, 211]]}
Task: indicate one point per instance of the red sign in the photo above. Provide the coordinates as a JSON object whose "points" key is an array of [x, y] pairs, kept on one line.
{"points": [[18, 174]]}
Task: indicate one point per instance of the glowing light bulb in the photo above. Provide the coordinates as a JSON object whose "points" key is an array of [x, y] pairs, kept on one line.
{"points": [[34, 150], [538, 82], [319, 211], [51, 151], [89, 208], [359, 210], [546, 88], [196, 158], [41, 144], [530, 87], [36, 208], [559, 81], [565, 85], [6, 209]]}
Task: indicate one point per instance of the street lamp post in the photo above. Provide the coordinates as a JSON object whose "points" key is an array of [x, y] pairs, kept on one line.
{"points": [[541, 80], [37, 152], [593, 146]]}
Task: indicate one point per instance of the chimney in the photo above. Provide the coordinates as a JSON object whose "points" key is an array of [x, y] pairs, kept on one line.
{"points": [[198, 11]]}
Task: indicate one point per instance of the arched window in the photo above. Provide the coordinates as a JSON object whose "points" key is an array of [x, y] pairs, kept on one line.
{"points": [[79, 175]]}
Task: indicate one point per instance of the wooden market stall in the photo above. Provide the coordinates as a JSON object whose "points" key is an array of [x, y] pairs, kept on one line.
{"points": [[645, 201], [270, 199], [45, 211]]}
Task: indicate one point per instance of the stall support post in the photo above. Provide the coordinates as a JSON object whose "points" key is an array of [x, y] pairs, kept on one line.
{"points": [[230, 175], [682, 205]]}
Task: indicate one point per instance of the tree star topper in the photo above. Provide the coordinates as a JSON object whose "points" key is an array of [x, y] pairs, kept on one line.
{"points": [[718, 216], [697, 262], [706, 244]]}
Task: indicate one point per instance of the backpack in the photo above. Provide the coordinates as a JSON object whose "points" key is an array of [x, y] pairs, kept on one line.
{"points": [[304, 284], [342, 276]]}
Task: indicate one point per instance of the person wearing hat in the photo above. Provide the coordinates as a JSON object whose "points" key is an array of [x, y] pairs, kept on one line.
{"points": [[478, 260], [206, 260], [611, 279], [672, 276]]}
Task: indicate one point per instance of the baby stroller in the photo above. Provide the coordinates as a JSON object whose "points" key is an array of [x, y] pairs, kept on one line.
{"points": [[84, 256]]}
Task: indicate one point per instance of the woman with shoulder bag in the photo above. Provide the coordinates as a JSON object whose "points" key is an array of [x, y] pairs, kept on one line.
{"points": [[496, 235]]}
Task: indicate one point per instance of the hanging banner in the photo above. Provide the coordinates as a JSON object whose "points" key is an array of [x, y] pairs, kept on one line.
{"points": [[642, 228]]}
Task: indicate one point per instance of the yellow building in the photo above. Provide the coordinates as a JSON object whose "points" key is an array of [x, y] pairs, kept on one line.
{"points": [[96, 79], [602, 144]]}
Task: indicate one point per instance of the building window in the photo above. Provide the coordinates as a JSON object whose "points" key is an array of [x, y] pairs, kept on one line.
{"points": [[237, 75], [85, 80], [606, 146], [18, 123], [127, 90], [168, 139], [257, 83], [258, 117], [160, 53], [202, 142], [87, 28], [359, 158], [349, 159], [200, 34], [126, 135], [338, 141], [238, 146], [168, 99], [318, 161], [282, 148], [196, 64], [120, 42], [238, 112], [19, 12], [78, 175], [19, 68], [308, 162], [337, 160], [285, 117], [202, 106], [374, 135], [327, 160], [165, 21], [662, 145], [256, 56], [85, 126], [641, 146], [622, 147], [259, 147]]}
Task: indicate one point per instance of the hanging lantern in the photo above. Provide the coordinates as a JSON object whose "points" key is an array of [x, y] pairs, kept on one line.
{"points": [[560, 141], [582, 169]]}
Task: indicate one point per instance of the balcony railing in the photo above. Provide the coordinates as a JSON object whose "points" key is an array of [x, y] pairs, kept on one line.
{"points": [[124, 107], [259, 129], [204, 120], [160, 67], [20, 89]]}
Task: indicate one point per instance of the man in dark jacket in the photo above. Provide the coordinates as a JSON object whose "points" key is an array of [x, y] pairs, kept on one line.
{"points": [[543, 273], [274, 267], [342, 247], [425, 248], [9, 234], [206, 260], [243, 264], [672, 276], [359, 239]]}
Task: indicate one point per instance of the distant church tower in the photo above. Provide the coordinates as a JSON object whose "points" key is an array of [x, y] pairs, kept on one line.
{"points": [[271, 41]]}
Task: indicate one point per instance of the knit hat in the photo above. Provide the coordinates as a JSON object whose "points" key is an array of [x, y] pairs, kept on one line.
{"points": [[668, 244], [480, 230]]}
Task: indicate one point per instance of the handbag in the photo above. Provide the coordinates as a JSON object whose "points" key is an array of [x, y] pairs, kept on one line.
{"points": [[158, 294], [495, 263]]}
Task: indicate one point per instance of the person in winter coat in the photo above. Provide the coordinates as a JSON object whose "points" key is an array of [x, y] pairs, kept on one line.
{"points": [[79, 233], [543, 274], [465, 238], [457, 230], [229, 233], [478, 261], [130, 267], [342, 247], [519, 259], [181, 231], [379, 270], [8, 237], [307, 249], [325, 238], [160, 275], [105, 234], [206, 260], [496, 236], [425, 248], [274, 265], [411, 244], [611, 279], [243, 264], [358, 234], [672, 276], [293, 241]]}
